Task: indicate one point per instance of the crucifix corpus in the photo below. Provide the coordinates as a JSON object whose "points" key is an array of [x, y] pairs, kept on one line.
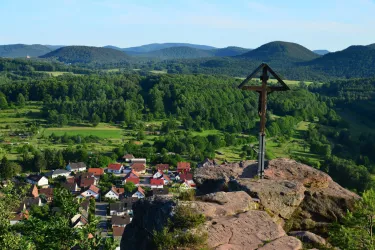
{"points": [[263, 90]]}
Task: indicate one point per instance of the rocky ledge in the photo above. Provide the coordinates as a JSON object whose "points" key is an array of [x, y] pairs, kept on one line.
{"points": [[273, 213]]}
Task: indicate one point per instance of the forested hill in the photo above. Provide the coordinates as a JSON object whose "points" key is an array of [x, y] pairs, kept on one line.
{"points": [[178, 53], [158, 46], [230, 51], [281, 52], [355, 61], [85, 54], [23, 50]]}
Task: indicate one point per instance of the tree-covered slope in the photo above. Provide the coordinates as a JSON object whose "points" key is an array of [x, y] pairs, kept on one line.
{"points": [[355, 61], [230, 51], [85, 54], [281, 52], [178, 53], [158, 46], [23, 50]]}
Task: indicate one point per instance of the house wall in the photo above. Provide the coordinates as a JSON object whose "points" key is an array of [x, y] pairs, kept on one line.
{"points": [[114, 171], [156, 186], [57, 175], [90, 193], [138, 195], [111, 195]]}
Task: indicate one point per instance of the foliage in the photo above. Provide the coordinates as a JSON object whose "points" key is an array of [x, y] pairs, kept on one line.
{"points": [[129, 187], [357, 228]]}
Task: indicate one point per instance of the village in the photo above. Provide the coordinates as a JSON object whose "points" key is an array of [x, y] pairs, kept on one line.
{"points": [[113, 189]]}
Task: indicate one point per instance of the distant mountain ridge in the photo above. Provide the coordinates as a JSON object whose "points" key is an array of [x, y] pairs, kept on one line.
{"points": [[321, 52], [231, 51], [23, 50], [182, 52], [281, 52], [158, 46], [86, 54]]}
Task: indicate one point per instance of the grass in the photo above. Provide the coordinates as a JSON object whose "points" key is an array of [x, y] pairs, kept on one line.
{"points": [[57, 73], [158, 71], [102, 131]]}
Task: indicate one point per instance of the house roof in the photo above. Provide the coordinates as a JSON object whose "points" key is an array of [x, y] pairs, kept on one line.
{"points": [[96, 171], [166, 177], [34, 177], [71, 180], [94, 189], [48, 192], [85, 204], [128, 156], [187, 176], [156, 181], [183, 165], [162, 167], [117, 191], [57, 172], [133, 180], [86, 182], [120, 220], [77, 165], [141, 190], [138, 167], [139, 160], [33, 191], [28, 201], [160, 191], [114, 166], [132, 174], [121, 206], [118, 231], [70, 186]]}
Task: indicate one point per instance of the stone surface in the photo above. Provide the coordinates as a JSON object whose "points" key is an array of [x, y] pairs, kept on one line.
{"points": [[308, 237], [210, 179], [283, 243], [223, 204], [280, 197], [245, 231]]}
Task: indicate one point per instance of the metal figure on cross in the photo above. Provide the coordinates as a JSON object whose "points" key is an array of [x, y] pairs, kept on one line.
{"points": [[263, 90]]}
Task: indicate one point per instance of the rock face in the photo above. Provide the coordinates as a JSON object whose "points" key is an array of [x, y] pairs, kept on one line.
{"points": [[284, 243], [222, 204], [308, 237], [248, 230], [291, 190]]}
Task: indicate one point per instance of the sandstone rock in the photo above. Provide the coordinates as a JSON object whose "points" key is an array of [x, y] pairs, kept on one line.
{"points": [[210, 179], [245, 231], [281, 197], [283, 243], [308, 237], [224, 204]]}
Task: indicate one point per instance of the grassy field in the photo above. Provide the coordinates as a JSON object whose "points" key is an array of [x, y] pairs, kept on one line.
{"points": [[102, 131], [57, 73], [158, 71]]}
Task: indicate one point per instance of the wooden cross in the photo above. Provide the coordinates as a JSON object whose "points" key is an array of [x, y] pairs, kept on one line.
{"points": [[263, 90]]}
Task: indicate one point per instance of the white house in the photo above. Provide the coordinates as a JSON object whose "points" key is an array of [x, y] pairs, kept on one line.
{"points": [[93, 191], [37, 180], [78, 221], [140, 194], [115, 168], [158, 174], [76, 166], [58, 172], [114, 193]]}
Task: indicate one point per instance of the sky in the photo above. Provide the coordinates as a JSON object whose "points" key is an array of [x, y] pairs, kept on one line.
{"points": [[315, 24]]}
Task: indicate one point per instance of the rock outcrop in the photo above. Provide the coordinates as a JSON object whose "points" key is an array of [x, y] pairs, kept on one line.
{"points": [[302, 195], [254, 214]]}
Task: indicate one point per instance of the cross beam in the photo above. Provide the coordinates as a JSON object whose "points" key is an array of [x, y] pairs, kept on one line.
{"points": [[263, 90]]}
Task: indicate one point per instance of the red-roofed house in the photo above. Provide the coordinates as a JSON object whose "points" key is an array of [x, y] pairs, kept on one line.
{"points": [[156, 183], [183, 167], [96, 171], [140, 193], [132, 177], [140, 168], [128, 157], [93, 191], [115, 168], [114, 193], [186, 177], [166, 179], [162, 167]]}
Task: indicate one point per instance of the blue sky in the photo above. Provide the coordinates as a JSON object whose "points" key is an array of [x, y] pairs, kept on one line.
{"points": [[315, 24]]}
